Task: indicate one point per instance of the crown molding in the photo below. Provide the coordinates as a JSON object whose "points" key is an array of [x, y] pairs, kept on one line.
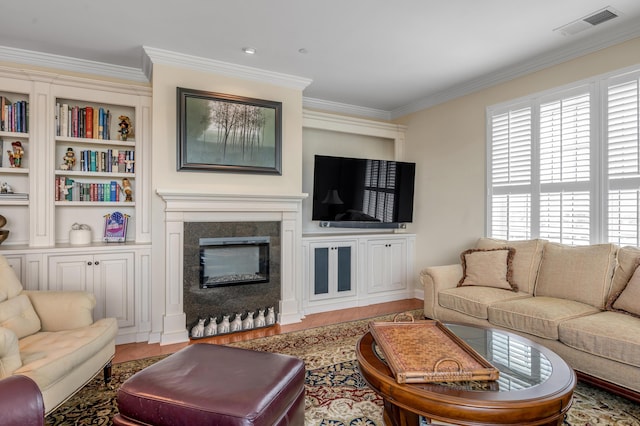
{"points": [[341, 108], [160, 56], [618, 35], [340, 123], [48, 60]]}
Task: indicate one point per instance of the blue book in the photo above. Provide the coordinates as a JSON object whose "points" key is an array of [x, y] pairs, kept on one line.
{"points": [[113, 193]]}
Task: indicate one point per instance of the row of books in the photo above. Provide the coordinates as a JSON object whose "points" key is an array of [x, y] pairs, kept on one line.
{"points": [[110, 161], [83, 122], [68, 189], [14, 117]]}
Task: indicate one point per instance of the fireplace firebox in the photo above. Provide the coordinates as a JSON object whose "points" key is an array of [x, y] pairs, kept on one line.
{"points": [[231, 261]]}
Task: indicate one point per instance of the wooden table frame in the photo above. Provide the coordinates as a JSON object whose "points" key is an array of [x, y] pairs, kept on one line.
{"points": [[544, 404]]}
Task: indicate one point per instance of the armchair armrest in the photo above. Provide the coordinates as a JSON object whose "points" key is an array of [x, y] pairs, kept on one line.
{"points": [[10, 359], [63, 310], [21, 402], [435, 279]]}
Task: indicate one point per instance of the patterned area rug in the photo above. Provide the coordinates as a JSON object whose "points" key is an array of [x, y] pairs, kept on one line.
{"points": [[336, 394]]}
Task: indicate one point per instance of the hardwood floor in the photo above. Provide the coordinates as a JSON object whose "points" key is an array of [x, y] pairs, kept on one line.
{"points": [[133, 351]]}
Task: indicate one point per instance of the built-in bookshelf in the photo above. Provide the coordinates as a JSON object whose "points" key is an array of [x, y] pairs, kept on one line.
{"points": [[95, 153], [14, 160], [72, 152], [97, 138]]}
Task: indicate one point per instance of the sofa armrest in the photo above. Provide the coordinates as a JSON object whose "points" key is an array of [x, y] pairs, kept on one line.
{"points": [[435, 279], [63, 310], [21, 402], [10, 359]]}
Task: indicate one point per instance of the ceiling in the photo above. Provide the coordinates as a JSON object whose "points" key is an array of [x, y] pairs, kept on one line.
{"points": [[374, 57]]}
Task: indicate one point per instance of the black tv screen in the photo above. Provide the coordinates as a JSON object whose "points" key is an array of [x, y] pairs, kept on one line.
{"points": [[362, 190]]}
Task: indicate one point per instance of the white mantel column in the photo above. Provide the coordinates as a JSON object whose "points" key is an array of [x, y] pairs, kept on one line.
{"points": [[174, 319]]}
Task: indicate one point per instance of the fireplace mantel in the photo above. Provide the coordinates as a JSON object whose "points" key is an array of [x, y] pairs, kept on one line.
{"points": [[185, 206]]}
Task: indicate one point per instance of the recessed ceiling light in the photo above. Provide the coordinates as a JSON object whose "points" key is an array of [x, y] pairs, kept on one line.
{"points": [[249, 50], [303, 50]]}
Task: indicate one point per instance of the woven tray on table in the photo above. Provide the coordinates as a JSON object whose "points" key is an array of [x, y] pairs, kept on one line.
{"points": [[427, 351]]}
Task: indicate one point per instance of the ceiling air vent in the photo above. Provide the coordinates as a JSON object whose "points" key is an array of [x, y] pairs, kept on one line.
{"points": [[589, 21], [600, 17]]}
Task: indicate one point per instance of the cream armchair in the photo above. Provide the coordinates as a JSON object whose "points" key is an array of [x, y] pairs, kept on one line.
{"points": [[51, 337]]}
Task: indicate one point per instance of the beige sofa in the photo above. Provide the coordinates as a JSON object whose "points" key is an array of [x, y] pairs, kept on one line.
{"points": [[567, 298], [51, 337]]}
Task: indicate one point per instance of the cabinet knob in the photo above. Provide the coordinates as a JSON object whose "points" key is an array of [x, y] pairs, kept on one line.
{"points": [[89, 263], [96, 263]]}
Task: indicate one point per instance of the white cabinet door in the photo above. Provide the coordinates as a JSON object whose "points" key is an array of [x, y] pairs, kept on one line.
{"points": [[332, 269], [71, 273], [114, 275], [387, 265], [110, 277]]}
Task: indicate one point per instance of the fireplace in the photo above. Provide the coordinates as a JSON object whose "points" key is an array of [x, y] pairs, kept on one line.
{"points": [[244, 257], [231, 261], [188, 214]]}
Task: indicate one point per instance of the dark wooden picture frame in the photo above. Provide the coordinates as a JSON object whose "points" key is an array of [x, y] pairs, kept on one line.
{"points": [[222, 132]]}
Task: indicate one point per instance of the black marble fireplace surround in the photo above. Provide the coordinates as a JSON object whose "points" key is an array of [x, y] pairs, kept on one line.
{"points": [[218, 301]]}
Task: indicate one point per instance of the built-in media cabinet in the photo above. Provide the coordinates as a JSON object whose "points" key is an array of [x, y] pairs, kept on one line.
{"points": [[66, 162], [344, 271]]}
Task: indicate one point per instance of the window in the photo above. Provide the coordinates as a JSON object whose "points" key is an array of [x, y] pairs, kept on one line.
{"points": [[565, 165]]}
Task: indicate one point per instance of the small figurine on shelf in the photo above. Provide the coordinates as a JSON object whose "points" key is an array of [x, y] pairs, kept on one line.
{"points": [[63, 188], [126, 188], [126, 129], [5, 188], [15, 156], [69, 160]]}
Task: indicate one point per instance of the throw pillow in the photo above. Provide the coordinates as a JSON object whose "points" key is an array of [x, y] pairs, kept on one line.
{"points": [[18, 315], [526, 260], [627, 300], [579, 273], [488, 268], [628, 258]]}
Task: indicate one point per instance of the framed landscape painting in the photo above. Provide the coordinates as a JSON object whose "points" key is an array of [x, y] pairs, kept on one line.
{"points": [[221, 132]]}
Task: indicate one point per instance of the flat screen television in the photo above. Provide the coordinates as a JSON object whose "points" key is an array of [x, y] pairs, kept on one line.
{"points": [[361, 192]]}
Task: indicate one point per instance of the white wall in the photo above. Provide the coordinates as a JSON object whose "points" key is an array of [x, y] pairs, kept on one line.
{"points": [[448, 143], [165, 176]]}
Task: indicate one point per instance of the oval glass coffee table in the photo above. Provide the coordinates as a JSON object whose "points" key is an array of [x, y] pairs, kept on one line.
{"points": [[535, 386]]}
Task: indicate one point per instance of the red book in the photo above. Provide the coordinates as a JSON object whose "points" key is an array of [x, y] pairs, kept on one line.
{"points": [[89, 122]]}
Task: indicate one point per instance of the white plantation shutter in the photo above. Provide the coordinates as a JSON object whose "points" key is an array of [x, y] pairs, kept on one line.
{"points": [[511, 216], [565, 166], [565, 172], [511, 174], [511, 148], [623, 165]]}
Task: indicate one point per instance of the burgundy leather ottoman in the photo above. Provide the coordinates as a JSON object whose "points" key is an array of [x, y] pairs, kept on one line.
{"points": [[205, 384]]}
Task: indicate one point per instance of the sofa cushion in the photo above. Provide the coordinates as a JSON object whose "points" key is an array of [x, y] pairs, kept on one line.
{"points": [[49, 356], [17, 314], [539, 316], [628, 299], [10, 285], [607, 334], [627, 259], [475, 300], [581, 273], [526, 259], [488, 268]]}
